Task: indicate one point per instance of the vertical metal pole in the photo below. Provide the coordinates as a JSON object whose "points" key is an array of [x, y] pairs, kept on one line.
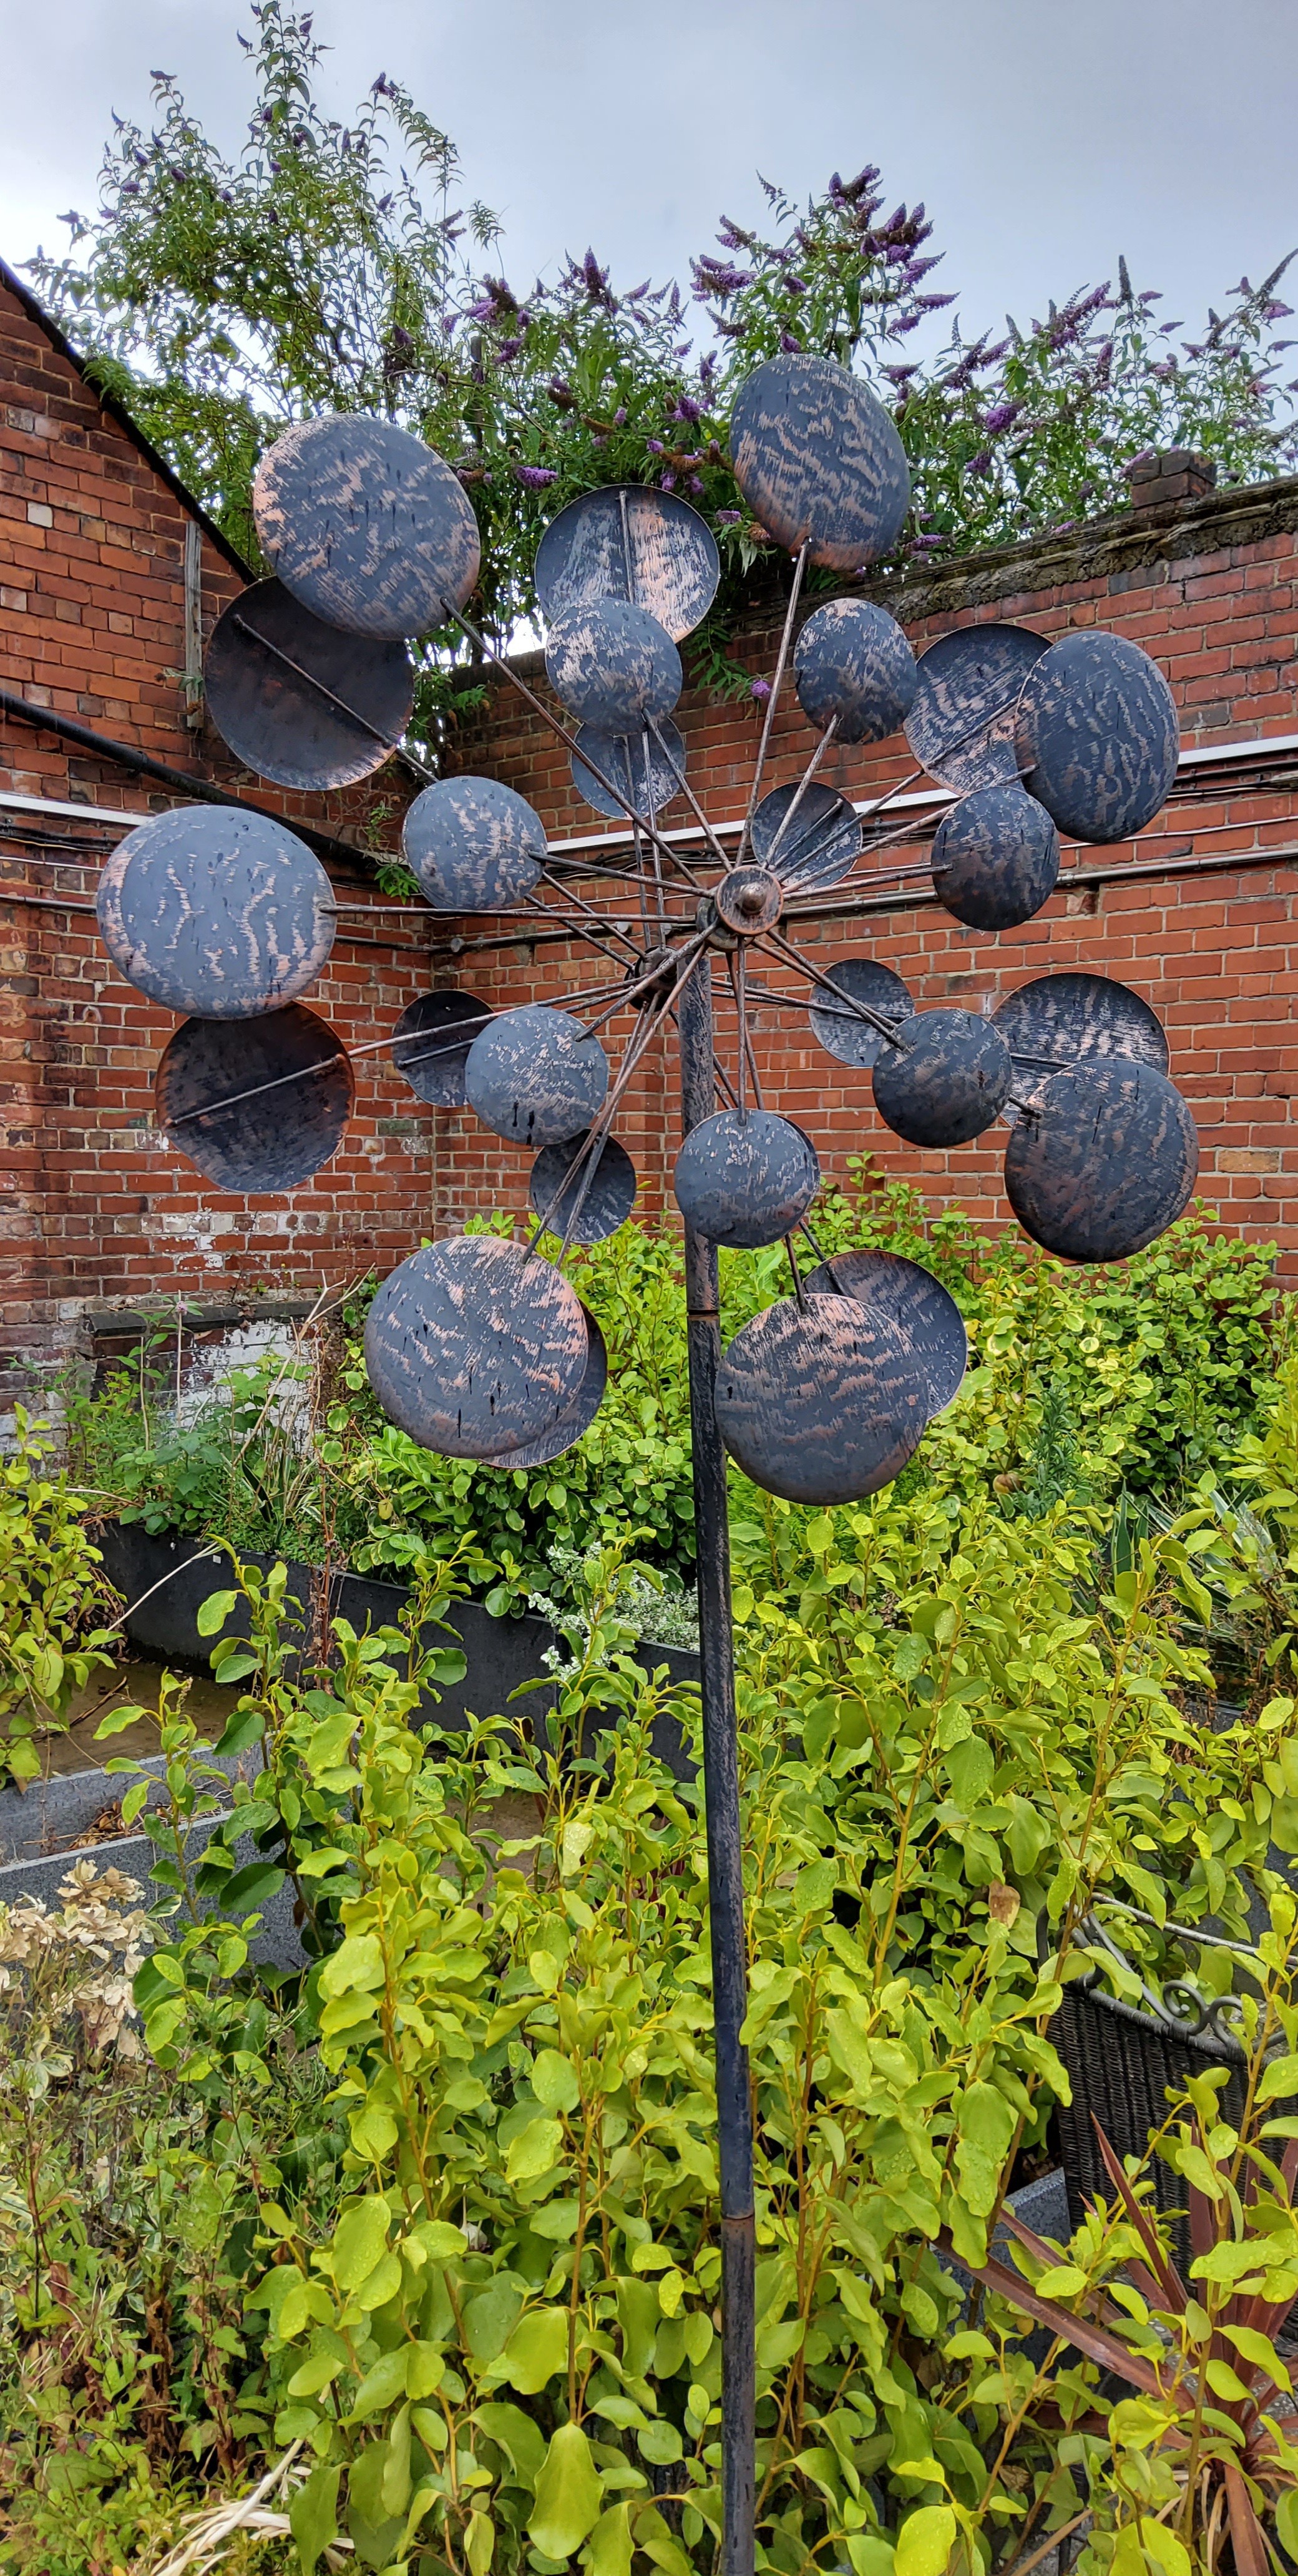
{"points": [[721, 1799]]}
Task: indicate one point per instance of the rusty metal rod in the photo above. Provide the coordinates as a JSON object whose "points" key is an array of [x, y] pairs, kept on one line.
{"points": [[724, 1829]]}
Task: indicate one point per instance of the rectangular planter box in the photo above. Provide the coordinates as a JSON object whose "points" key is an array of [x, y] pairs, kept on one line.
{"points": [[166, 1579], [34, 1821]]}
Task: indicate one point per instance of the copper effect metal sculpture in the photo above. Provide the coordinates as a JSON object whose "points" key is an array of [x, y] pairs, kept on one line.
{"points": [[480, 1348]]}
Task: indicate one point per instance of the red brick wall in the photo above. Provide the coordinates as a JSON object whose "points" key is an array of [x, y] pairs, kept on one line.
{"points": [[94, 1208], [1209, 590]]}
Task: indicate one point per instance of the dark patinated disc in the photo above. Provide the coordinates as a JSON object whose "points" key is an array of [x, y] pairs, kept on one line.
{"points": [[924, 1312], [853, 667], [473, 1348], [674, 565], [432, 1041], [945, 1080], [1104, 1163], [1097, 735], [366, 526], [745, 1177], [474, 845], [1058, 1021], [609, 1198], [279, 1136], [821, 1402], [841, 1033], [216, 913], [299, 701], [995, 857], [961, 726], [641, 767], [818, 847], [819, 462], [535, 1078], [614, 667], [579, 1416]]}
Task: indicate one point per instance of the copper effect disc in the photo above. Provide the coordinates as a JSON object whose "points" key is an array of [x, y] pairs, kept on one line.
{"points": [[474, 1348], [821, 1402]]}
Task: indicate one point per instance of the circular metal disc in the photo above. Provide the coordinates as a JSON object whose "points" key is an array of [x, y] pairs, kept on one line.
{"points": [[745, 1179], [366, 526], [432, 1041], [535, 1078], [1058, 1021], [1106, 1162], [474, 845], [961, 726], [674, 565], [995, 857], [276, 1139], [924, 1312], [840, 1033], [819, 462], [821, 844], [290, 724], [579, 1417], [821, 1402], [634, 762], [945, 1080], [852, 662], [608, 1201], [613, 666], [216, 913], [1098, 735], [473, 1348]]}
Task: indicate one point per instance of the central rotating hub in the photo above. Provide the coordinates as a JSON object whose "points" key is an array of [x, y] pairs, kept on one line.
{"points": [[749, 900]]}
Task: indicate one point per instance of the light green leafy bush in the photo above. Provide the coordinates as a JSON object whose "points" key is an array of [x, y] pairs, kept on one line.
{"points": [[55, 1606]]}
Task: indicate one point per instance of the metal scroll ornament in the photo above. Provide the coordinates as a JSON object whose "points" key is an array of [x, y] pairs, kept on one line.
{"points": [[480, 1348]]}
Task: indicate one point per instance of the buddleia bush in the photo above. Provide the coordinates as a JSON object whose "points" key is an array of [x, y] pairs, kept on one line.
{"points": [[327, 266]]}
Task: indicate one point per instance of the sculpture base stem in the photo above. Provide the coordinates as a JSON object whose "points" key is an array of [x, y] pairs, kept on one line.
{"points": [[725, 1848]]}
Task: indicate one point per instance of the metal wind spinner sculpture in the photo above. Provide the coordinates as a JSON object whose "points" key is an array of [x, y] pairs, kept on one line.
{"points": [[480, 1348]]}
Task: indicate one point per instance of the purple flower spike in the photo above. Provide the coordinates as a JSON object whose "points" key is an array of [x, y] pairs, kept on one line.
{"points": [[761, 690], [535, 477], [728, 518], [790, 344]]}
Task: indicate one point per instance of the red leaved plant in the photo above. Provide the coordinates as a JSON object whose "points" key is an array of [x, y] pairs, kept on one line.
{"points": [[1218, 2408]]}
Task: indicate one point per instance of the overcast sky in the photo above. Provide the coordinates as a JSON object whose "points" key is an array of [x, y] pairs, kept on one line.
{"points": [[1044, 135]]}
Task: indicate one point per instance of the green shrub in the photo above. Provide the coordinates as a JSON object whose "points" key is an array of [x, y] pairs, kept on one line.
{"points": [[501, 2346], [54, 1602], [1081, 1382]]}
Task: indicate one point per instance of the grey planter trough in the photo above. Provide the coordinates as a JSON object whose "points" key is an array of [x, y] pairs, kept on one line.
{"points": [[166, 1579]]}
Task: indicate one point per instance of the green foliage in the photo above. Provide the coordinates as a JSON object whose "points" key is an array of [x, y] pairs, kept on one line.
{"points": [[54, 1602], [246, 1466], [1203, 2443], [1246, 1541], [128, 2211], [508, 2335], [1081, 1382], [445, 2212], [328, 267]]}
